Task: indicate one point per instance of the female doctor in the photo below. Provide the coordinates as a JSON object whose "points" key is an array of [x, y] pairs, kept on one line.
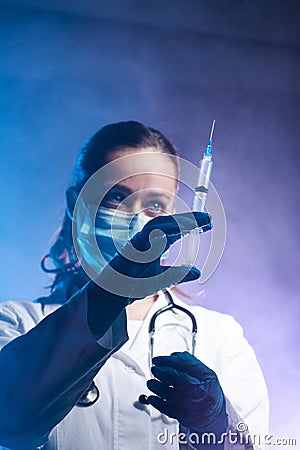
{"points": [[70, 377]]}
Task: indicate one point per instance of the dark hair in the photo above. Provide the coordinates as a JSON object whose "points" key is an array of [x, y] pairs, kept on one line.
{"points": [[92, 156]]}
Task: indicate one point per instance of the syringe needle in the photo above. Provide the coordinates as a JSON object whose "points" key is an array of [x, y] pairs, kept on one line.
{"points": [[209, 145], [212, 130]]}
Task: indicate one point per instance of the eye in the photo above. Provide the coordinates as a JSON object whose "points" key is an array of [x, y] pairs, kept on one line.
{"points": [[112, 199], [155, 208]]}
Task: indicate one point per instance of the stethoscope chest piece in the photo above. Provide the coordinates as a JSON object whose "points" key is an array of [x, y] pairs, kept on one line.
{"points": [[89, 397]]}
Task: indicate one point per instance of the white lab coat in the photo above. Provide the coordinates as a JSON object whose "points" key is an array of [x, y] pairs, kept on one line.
{"points": [[117, 421]]}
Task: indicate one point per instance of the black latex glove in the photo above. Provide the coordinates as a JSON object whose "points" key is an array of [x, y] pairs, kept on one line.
{"points": [[136, 272], [187, 390]]}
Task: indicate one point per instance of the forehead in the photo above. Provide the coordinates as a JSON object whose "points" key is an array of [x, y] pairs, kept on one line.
{"points": [[142, 169], [143, 160], [145, 166]]}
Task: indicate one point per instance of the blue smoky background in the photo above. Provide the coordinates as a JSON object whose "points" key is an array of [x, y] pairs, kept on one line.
{"points": [[69, 67]]}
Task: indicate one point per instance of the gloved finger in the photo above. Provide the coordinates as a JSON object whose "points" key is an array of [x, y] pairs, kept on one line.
{"points": [[170, 276], [178, 223], [186, 362], [174, 227], [184, 397], [188, 416], [155, 277], [166, 408], [162, 390], [180, 380], [206, 228]]}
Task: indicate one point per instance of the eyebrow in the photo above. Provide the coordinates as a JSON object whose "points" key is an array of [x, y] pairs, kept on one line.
{"points": [[124, 189], [160, 195], [152, 193]]}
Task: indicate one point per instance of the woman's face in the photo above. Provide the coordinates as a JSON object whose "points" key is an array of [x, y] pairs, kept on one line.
{"points": [[153, 193]]}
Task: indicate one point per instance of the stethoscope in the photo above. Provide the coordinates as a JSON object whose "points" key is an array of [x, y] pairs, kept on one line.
{"points": [[92, 393]]}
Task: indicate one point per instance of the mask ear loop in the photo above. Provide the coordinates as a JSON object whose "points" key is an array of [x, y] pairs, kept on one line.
{"points": [[67, 268], [170, 306]]}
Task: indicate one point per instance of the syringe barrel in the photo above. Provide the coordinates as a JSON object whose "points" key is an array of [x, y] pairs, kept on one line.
{"points": [[201, 189]]}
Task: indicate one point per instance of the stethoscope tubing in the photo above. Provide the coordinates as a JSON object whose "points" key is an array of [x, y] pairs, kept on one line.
{"points": [[92, 393]]}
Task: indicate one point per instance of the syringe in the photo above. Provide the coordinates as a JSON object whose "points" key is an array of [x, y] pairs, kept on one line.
{"points": [[201, 191]]}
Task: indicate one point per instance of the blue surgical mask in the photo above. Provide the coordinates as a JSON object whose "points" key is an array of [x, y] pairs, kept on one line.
{"points": [[112, 230]]}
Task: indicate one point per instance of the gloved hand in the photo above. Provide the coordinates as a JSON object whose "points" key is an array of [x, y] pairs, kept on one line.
{"points": [[135, 272], [187, 390]]}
